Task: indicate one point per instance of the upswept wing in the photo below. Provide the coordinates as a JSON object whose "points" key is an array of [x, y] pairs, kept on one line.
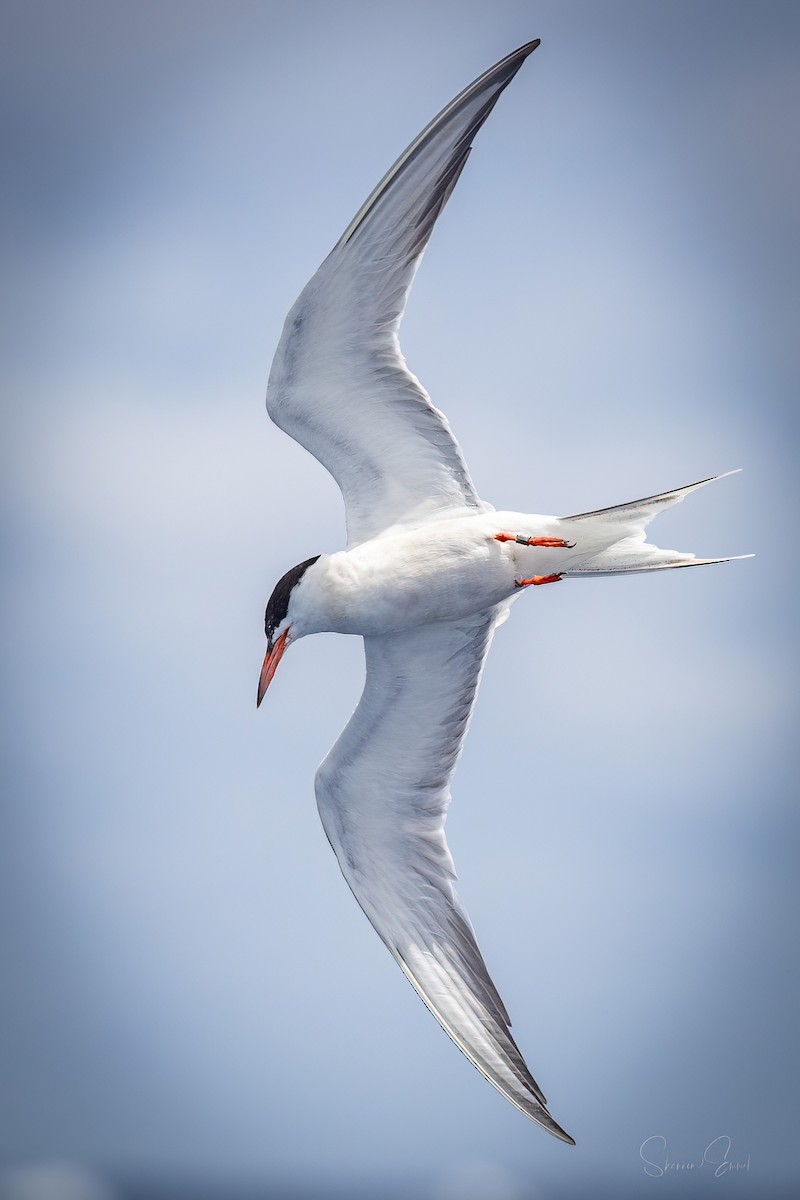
{"points": [[339, 384], [383, 792]]}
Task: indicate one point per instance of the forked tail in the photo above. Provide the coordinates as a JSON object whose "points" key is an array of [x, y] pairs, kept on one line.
{"points": [[631, 552]]}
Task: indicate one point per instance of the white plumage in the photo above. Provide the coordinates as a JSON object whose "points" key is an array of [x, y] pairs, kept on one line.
{"points": [[429, 572]]}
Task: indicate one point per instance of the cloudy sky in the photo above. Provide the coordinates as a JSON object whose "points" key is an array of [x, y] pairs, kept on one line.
{"points": [[608, 308]]}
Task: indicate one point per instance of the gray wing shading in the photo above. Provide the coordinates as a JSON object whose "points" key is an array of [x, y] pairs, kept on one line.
{"points": [[383, 793], [339, 384]]}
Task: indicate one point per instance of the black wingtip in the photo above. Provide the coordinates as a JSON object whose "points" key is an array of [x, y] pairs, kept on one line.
{"points": [[552, 1127], [524, 51], [515, 59], [492, 82], [507, 67]]}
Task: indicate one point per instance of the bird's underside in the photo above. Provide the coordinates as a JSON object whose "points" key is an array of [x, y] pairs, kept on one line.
{"points": [[340, 386]]}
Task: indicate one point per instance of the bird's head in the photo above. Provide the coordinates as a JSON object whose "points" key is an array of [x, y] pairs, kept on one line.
{"points": [[282, 621]]}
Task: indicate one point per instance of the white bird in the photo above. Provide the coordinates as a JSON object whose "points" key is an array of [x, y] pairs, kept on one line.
{"points": [[428, 574]]}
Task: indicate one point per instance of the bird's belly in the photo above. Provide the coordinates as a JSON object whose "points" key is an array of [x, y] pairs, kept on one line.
{"points": [[439, 573]]}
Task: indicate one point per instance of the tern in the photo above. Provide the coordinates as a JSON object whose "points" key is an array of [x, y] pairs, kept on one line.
{"points": [[429, 572]]}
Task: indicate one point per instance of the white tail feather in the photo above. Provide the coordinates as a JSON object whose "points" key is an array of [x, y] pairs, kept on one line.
{"points": [[631, 552], [641, 511], [648, 558]]}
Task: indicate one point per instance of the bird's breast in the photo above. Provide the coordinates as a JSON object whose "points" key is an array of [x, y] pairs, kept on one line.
{"points": [[439, 572]]}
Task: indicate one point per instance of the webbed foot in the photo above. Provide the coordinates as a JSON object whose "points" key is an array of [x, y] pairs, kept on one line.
{"points": [[551, 543], [536, 580]]}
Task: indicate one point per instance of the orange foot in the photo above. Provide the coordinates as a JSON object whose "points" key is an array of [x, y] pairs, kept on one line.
{"points": [[552, 543], [536, 580]]}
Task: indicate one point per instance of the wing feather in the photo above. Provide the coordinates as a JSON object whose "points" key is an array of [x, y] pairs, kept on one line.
{"points": [[383, 793], [339, 384]]}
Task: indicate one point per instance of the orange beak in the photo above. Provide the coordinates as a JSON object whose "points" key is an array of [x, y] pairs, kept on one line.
{"points": [[271, 660]]}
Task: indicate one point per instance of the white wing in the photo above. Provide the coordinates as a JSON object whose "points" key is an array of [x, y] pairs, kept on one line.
{"points": [[383, 792], [339, 384]]}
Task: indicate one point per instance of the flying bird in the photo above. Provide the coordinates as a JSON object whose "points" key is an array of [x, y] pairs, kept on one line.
{"points": [[429, 572]]}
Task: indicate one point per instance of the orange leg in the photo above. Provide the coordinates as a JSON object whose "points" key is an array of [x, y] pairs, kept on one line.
{"points": [[536, 581], [552, 543]]}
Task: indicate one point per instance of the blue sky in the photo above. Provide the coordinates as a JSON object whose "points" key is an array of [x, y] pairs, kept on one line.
{"points": [[608, 308]]}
